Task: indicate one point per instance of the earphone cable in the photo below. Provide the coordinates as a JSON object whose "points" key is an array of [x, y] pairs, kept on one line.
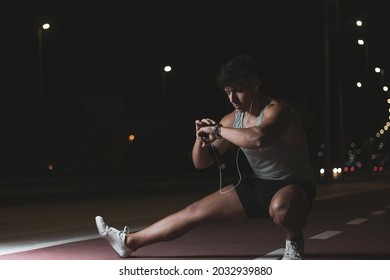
{"points": [[220, 171]]}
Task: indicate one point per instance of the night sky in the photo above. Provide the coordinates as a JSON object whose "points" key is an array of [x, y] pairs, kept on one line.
{"points": [[102, 66]]}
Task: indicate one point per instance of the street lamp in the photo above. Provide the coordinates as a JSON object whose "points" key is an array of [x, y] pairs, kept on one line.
{"points": [[164, 72], [382, 73], [45, 26]]}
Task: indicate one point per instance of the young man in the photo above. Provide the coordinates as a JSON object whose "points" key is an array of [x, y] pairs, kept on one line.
{"points": [[271, 136]]}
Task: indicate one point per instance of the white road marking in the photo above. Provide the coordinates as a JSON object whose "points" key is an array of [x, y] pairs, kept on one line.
{"points": [[33, 245], [18, 246], [326, 234], [379, 212], [274, 255], [357, 221], [28, 247]]}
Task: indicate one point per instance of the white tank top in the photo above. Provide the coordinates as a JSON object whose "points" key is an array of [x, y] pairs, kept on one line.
{"points": [[278, 161]]}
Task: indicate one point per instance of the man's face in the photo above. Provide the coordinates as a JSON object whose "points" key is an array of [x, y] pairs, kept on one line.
{"points": [[240, 94]]}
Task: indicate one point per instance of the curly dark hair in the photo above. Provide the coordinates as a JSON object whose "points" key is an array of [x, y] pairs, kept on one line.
{"points": [[239, 68]]}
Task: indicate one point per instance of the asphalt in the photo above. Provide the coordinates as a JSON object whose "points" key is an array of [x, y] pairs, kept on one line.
{"points": [[58, 209]]}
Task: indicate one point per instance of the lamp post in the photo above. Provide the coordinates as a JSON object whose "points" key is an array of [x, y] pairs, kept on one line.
{"points": [[359, 24], [164, 72], [45, 26], [326, 91], [332, 26], [382, 73]]}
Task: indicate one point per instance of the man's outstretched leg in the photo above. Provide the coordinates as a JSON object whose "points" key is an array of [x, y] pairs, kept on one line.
{"points": [[215, 207]]}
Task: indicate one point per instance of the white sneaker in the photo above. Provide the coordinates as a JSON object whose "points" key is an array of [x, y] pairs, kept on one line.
{"points": [[114, 237], [294, 250]]}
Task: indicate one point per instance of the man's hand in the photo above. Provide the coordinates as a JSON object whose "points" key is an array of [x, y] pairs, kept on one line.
{"points": [[205, 130]]}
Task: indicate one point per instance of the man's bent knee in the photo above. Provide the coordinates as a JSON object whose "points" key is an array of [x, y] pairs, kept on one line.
{"points": [[288, 202]]}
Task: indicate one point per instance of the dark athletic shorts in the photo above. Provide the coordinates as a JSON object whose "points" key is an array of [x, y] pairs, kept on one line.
{"points": [[255, 194]]}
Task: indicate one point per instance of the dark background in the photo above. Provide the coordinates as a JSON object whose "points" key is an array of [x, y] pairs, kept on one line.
{"points": [[102, 65]]}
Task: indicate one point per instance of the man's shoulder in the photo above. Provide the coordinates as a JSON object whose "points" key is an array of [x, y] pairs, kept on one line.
{"points": [[277, 104], [276, 101]]}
